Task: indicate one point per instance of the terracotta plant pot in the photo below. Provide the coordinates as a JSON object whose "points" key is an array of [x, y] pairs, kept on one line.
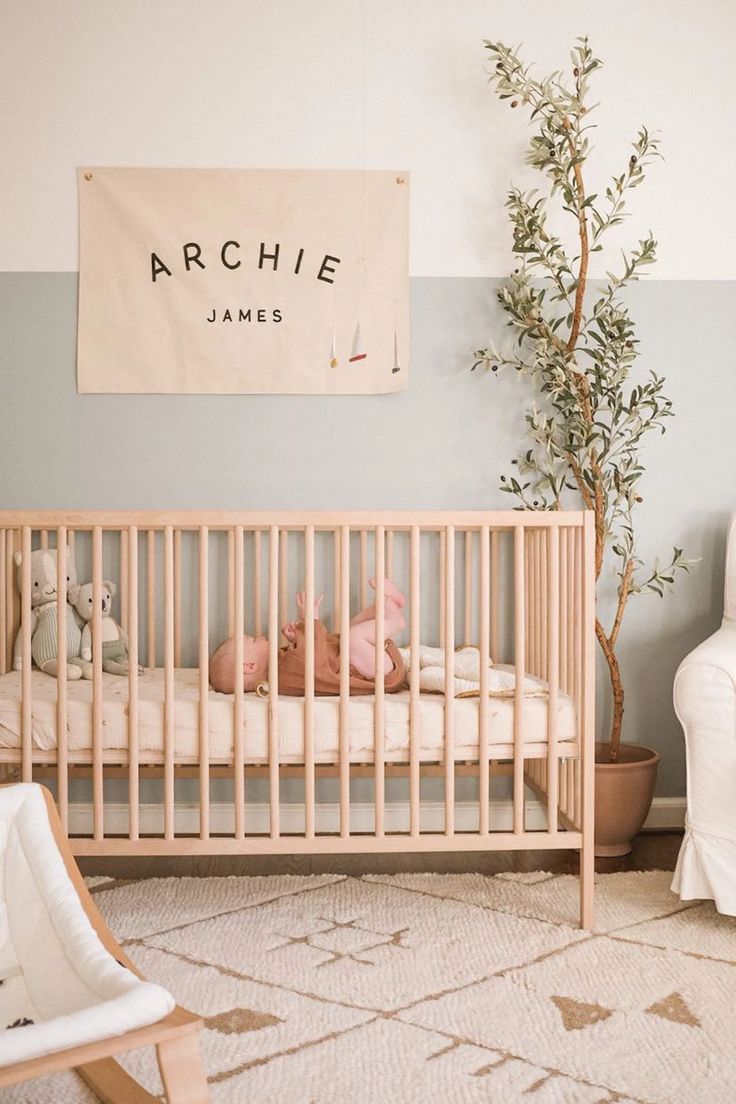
{"points": [[623, 795]]}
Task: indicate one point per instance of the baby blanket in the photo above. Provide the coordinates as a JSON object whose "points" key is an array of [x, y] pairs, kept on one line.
{"points": [[501, 679]]}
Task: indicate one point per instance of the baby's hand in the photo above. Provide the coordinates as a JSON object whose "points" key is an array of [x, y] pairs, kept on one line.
{"points": [[289, 631], [301, 604]]}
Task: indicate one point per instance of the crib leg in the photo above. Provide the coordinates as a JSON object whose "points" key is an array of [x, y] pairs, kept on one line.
{"points": [[112, 1085], [587, 878], [181, 1070]]}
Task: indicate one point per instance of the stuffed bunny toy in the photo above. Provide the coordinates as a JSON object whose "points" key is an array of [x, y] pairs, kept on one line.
{"points": [[114, 640], [44, 615]]}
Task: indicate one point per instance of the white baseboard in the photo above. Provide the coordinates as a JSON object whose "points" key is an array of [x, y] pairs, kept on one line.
{"points": [[666, 812]]}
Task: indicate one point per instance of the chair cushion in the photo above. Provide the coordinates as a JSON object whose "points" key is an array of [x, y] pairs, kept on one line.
{"points": [[59, 986]]}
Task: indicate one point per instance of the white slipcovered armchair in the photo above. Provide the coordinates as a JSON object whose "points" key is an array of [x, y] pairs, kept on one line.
{"points": [[705, 703]]}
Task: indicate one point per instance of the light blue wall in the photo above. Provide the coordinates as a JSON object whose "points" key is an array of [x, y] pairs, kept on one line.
{"points": [[441, 444]]}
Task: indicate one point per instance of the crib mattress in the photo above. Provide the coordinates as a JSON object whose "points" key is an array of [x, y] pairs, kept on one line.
{"points": [[255, 722]]}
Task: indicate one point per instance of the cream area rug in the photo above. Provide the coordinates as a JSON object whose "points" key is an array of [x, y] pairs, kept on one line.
{"points": [[394, 989]]}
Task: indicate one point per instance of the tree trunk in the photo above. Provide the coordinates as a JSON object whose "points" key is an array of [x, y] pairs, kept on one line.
{"points": [[617, 691]]}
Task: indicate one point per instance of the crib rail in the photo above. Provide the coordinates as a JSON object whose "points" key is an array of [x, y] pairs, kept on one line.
{"points": [[516, 585]]}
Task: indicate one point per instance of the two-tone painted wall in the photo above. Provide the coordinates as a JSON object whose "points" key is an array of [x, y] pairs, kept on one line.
{"points": [[375, 84]]}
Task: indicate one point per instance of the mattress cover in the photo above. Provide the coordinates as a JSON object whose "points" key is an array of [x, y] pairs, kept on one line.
{"points": [[255, 721]]}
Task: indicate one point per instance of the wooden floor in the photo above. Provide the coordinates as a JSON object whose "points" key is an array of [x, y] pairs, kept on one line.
{"points": [[652, 851]]}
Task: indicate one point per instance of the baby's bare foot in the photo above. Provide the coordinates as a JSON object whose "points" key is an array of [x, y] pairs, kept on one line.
{"points": [[390, 590]]}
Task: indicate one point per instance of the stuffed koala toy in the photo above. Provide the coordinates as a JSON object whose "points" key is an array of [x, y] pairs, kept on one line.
{"points": [[44, 615], [114, 640]]}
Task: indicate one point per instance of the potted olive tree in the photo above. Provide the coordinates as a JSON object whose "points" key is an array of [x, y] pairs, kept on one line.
{"points": [[576, 346]]}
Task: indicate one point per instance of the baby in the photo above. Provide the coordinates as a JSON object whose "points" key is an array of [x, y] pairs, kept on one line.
{"points": [[292, 657]]}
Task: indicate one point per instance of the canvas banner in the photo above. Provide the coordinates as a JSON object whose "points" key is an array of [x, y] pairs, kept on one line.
{"points": [[232, 281]]}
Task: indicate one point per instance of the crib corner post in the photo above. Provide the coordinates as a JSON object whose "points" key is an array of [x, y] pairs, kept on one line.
{"points": [[587, 728]]}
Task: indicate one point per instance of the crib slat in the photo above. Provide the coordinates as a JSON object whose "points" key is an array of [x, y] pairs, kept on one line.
{"points": [[336, 590], [533, 602], [519, 675], [345, 680], [544, 604], [415, 614], [449, 644], [574, 570], [573, 660], [553, 673], [495, 584], [26, 660], [378, 717], [543, 632], [123, 579], [273, 685], [528, 589], [571, 602], [484, 648], [9, 595], [563, 630], [238, 630], [540, 602], [257, 583], [563, 610], [570, 617], [571, 763], [531, 598], [133, 781], [579, 660], [44, 538], [230, 582], [204, 684], [363, 570], [98, 807], [390, 553], [468, 588], [177, 598], [62, 758], [309, 683], [537, 605], [3, 606], [151, 596], [284, 575], [169, 826]]}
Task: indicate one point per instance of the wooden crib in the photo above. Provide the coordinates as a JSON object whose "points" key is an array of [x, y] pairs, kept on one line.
{"points": [[519, 586]]}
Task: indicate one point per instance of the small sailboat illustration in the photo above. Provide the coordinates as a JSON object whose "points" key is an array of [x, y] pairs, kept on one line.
{"points": [[333, 353], [358, 353], [397, 363]]}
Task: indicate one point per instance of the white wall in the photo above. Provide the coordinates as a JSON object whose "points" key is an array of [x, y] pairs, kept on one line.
{"points": [[362, 83]]}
